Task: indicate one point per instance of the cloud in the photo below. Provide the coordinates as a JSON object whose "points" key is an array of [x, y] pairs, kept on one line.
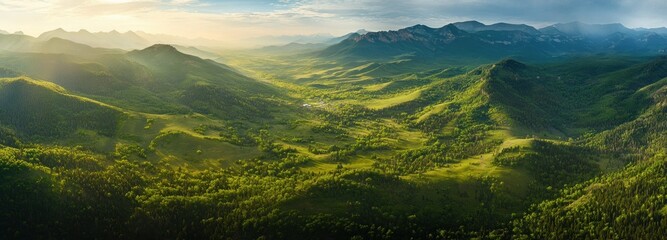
{"points": [[181, 2], [237, 20], [18, 5], [525, 11]]}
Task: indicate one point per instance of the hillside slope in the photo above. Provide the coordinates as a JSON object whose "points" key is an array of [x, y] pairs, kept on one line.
{"points": [[158, 79], [204, 85], [41, 110], [628, 204]]}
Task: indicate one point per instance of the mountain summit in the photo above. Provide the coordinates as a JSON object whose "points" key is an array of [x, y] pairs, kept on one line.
{"points": [[475, 26], [157, 50], [593, 30]]}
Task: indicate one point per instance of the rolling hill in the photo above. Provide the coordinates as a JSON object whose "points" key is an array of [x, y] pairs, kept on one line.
{"points": [[204, 85], [42, 110]]}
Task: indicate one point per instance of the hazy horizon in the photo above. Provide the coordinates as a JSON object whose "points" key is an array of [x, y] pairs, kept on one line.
{"points": [[236, 22]]}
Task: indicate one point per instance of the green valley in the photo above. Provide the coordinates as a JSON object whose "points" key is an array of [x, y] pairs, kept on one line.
{"points": [[468, 131]]}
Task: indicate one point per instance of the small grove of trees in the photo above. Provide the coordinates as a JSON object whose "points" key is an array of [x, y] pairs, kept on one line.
{"points": [[552, 164], [468, 138]]}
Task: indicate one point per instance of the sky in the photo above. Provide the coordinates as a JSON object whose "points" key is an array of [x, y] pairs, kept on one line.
{"points": [[236, 21]]}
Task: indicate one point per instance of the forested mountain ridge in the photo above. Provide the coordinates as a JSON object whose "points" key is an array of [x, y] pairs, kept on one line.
{"points": [[475, 41], [146, 80], [566, 100], [204, 85], [169, 65]]}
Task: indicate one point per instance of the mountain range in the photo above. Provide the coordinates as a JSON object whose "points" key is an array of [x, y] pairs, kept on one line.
{"points": [[470, 41], [114, 39], [491, 41]]}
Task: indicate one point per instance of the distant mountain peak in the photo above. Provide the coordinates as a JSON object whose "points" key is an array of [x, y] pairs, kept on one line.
{"points": [[112, 39], [417, 33], [475, 26], [57, 30], [158, 49], [451, 30], [578, 23], [508, 24], [52, 33], [471, 23], [579, 28], [450, 27], [510, 64], [418, 26], [418, 29]]}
